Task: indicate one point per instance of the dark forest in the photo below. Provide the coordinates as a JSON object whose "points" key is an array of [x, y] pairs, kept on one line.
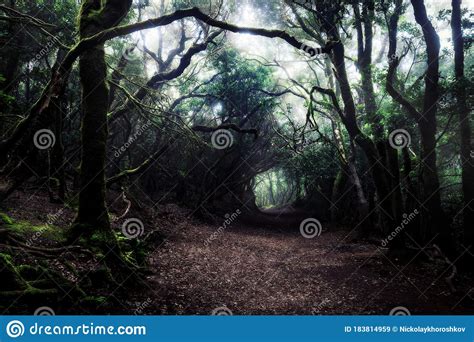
{"points": [[236, 157]]}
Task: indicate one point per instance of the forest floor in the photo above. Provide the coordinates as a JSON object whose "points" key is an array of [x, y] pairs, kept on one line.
{"points": [[261, 264]]}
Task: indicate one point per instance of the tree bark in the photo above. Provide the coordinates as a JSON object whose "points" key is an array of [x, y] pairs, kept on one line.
{"points": [[367, 145], [387, 156], [95, 17], [427, 125], [467, 162]]}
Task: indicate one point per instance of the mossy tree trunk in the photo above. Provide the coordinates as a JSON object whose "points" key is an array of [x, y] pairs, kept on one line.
{"points": [[349, 120], [95, 16]]}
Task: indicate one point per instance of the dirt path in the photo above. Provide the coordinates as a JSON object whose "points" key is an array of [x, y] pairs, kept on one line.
{"points": [[261, 265], [265, 266]]}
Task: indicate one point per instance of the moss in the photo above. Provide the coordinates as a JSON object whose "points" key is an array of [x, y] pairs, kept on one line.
{"points": [[11, 278], [46, 231], [40, 284], [100, 237], [29, 294], [5, 259], [5, 218], [88, 234], [29, 272]]}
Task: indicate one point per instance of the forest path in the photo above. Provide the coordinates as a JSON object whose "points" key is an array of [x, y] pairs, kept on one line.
{"points": [[265, 266]]}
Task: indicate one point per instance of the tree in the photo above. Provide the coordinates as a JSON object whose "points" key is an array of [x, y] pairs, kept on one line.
{"points": [[435, 225], [95, 17], [467, 162]]}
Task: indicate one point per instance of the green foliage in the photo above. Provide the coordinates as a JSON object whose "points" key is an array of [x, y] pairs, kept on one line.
{"points": [[5, 219], [26, 229]]}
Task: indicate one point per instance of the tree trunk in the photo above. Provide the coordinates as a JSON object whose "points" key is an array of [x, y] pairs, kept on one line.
{"points": [[467, 162], [427, 125], [387, 156], [349, 119], [95, 17], [375, 162]]}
